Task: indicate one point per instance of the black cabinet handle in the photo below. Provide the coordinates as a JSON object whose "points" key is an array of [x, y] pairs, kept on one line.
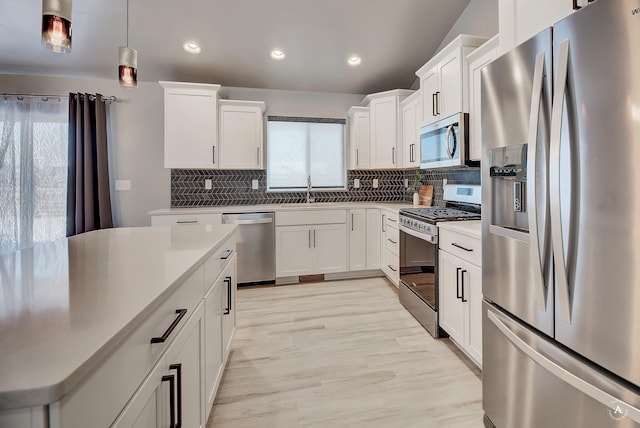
{"points": [[438, 102], [226, 254], [463, 299], [433, 104], [165, 335], [213, 158], [227, 281], [391, 267], [458, 294], [461, 247], [186, 221], [172, 398], [178, 369], [392, 241]]}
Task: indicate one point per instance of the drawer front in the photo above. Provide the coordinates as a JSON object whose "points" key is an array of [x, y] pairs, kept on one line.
{"points": [[99, 400], [392, 240], [463, 246], [303, 217], [217, 262], [391, 219], [185, 219], [391, 266]]}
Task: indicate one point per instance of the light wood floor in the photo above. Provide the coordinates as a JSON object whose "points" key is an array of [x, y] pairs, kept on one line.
{"points": [[341, 354]]}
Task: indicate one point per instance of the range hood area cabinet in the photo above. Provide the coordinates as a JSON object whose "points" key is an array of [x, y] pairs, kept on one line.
{"points": [[385, 128], [444, 80], [358, 122], [411, 113], [202, 131]]}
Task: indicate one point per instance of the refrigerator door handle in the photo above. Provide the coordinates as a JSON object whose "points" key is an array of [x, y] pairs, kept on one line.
{"points": [[555, 182], [552, 367], [532, 194]]}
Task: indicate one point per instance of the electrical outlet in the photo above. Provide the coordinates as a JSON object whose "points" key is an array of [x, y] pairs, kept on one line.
{"points": [[406, 182], [375, 183], [444, 182], [123, 185], [208, 184], [254, 184], [356, 183]]}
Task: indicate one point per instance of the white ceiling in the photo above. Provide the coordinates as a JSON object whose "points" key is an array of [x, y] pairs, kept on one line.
{"points": [[393, 37]]}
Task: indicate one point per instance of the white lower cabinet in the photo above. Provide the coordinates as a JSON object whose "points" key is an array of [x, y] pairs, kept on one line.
{"points": [[460, 303], [374, 237], [389, 246], [213, 344], [229, 280], [293, 251]]}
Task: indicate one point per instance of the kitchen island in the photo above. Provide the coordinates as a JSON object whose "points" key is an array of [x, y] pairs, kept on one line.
{"points": [[77, 318]]}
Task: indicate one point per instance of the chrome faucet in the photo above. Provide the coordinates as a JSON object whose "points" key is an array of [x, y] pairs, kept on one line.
{"points": [[309, 198]]}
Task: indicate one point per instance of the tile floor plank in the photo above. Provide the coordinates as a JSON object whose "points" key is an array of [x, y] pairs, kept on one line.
{"points": [[341, 354]]}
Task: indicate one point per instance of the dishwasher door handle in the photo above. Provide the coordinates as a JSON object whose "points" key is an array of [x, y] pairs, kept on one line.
{"points": [[254, 221]]}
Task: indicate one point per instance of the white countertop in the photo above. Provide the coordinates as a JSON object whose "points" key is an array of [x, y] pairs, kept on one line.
{"points": [[468, 227], [65, 305], [394, 206]]}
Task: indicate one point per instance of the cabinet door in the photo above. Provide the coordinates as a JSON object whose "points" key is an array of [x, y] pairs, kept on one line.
{"points": [[185, 360], [240, 137], [475, 101], [409, 134], [384, 133], [149, 407], [213, 341], [473, 293], [450, 97], [293, 250], [357, 240], [451, 307], [190, 130], [429, 86], [330, 248], [229, 294], [373, 238], [359, 140]]}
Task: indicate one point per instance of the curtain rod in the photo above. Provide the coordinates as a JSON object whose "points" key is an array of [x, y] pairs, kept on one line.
{"points": [[46, 97]]}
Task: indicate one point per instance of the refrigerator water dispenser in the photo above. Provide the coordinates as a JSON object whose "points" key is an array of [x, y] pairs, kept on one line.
{"points": [[508, 172]]}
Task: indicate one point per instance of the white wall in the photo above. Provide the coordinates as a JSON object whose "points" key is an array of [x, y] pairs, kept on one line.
{"points": [[480, 18], [136, 132]]}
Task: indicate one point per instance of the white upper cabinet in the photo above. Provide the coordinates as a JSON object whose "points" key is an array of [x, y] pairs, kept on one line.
{"points": [[411, 119], [443, 80], [358, 137], [385, 131], [241, 134], [190, 125], [477, 60]]}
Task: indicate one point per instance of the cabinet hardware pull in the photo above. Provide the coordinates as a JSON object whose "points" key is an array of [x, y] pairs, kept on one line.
{"points": [[458, 295], [213, 158], [314, 238], [461, 247], [438, 103], [352, 222], [227, 281], [384, 220], [433, 104], [186, 221], [181, 313], [393, 155], [463, 299], [172, 398], [392, 219], [391, 267], [258, 156], [357, 158], [309, 238], [411, 152], [226, 254], [178, 368], [392, 241]]}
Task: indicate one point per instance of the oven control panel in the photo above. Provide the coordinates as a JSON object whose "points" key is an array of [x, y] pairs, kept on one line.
{"points": [[418, 225]]}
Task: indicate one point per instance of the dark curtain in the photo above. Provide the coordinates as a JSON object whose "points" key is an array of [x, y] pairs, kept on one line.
{"points": [[88, 198]]}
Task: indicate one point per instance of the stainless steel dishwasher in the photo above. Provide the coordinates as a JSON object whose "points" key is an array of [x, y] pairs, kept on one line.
{"points": [[256, 246]]}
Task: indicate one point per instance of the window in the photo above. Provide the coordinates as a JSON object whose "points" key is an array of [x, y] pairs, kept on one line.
{"points": [[299, 148], [33, 170]]}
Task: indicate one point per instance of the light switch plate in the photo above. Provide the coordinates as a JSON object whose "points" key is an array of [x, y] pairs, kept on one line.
{"points": [[406, 182], [254, 184], [208, 184], [356, 183], [375, 183], [123, 185]]}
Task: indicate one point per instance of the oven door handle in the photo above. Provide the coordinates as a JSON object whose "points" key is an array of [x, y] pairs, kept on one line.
{"points": [[433, 239]]}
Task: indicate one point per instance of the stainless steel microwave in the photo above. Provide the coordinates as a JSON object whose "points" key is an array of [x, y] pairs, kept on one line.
{"points": [[444, 143]]}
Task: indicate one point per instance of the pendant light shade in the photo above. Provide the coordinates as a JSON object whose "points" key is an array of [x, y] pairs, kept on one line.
{"points": [[128, 68], [56, 25], [128, 62]]}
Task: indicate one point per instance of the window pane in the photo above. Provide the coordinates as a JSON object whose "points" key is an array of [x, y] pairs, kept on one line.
{"points": [[287, 155], [326, 141]]}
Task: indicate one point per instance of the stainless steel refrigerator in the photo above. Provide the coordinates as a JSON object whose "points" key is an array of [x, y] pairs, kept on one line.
{"points": [[561, 224]]}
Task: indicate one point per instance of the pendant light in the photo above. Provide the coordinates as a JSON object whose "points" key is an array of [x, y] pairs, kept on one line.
{"points": [[128, 64], [56, 25]]}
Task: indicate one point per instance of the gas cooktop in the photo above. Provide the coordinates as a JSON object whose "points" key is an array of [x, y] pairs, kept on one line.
{"points": [[434, 214]]}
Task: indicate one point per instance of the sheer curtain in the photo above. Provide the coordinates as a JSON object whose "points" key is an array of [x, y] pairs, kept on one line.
{"points": [[33, 170]]}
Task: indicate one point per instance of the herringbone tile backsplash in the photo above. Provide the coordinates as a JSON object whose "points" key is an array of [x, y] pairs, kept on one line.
{"points": [[233, 187]]}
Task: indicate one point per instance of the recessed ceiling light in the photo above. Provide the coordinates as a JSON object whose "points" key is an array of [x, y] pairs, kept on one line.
{"points": [[354, 60], [277, 54], [192, 48]]}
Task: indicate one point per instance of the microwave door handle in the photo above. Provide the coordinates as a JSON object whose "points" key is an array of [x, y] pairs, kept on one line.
{"points": [[450, 131]]}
